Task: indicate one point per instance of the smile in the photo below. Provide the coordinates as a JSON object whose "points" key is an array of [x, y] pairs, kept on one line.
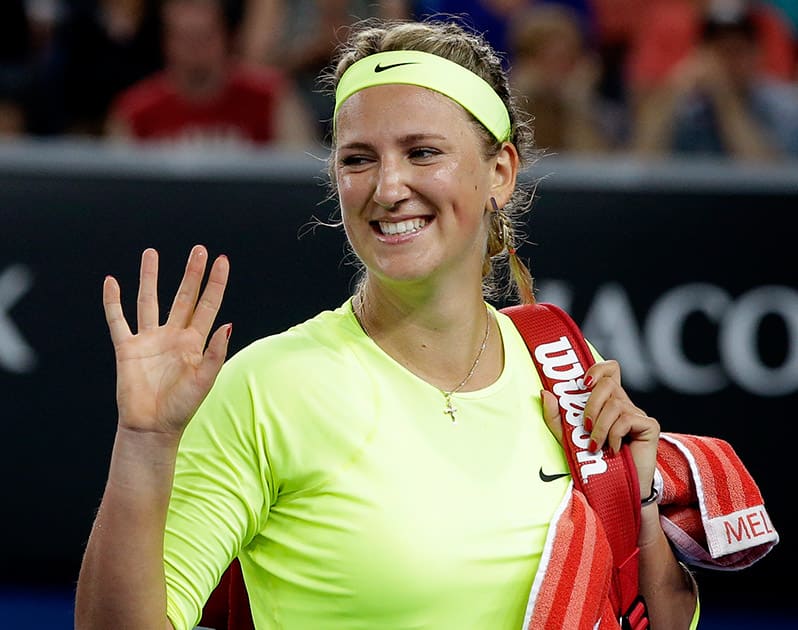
{"points": [[391, 228]]}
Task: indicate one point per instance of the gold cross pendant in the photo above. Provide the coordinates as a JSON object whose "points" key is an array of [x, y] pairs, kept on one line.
{"points": [[450, 408]]}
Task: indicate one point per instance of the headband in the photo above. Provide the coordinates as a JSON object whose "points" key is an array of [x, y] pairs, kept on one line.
{"points": [[413, 67]]}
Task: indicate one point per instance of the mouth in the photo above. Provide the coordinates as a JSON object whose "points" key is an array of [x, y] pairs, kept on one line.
{"points": [[400, 228]]}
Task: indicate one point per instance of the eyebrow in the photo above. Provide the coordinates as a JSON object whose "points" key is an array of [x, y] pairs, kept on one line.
{"points": [[409, 139]]}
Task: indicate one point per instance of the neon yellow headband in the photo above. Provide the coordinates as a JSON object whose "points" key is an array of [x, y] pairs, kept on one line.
{"points": [[413, 67]]}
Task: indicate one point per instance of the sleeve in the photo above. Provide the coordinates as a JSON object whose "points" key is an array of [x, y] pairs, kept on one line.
{"points": [[697, 613], [220, 498]]}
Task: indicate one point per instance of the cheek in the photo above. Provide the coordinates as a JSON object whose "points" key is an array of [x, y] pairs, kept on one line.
{"points": [[348, 192], [463, 186], [349, 201], [452, 180]]}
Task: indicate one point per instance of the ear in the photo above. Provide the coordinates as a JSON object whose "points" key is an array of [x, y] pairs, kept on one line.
{"points": [[505, 172]]}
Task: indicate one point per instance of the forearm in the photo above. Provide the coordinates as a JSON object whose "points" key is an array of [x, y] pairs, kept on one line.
{"points": [[653, 122], [583, 133], [667, 588], [121, 583], [742, 135]]}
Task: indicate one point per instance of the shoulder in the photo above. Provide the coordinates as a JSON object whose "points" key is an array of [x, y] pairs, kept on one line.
{"points": [[316, 345], [257, 79]]}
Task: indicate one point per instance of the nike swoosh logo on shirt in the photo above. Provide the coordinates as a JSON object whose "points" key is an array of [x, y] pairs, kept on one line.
{"points": [[381, 68], [554, 477]]}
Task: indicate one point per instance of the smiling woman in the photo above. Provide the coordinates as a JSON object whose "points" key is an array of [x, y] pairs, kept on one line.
{"points": [[380, 464]]}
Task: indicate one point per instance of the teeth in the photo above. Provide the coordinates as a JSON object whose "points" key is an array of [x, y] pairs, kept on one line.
{"points": [[402, 227]]}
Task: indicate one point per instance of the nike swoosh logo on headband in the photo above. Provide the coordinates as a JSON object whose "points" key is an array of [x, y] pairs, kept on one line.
{"points": [[381, 68], [554, 477]]}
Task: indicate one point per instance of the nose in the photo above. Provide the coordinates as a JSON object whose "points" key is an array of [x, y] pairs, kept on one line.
{"points": [[390, 188]]}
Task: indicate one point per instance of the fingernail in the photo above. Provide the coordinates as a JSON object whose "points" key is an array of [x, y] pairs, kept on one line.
{"points": [[592, 447], [589, 381], [229, 330], [588, 423]]}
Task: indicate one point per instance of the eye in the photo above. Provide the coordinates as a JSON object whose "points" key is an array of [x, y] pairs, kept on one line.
{"points": [[422, 153], [354, 160]]}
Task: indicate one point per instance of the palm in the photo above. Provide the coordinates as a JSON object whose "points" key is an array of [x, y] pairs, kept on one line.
{"points": [[165, 371]]}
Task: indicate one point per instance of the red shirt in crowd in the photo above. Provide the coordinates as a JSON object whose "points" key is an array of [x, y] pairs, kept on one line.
{"points": [[243, 113], [670, 30]]}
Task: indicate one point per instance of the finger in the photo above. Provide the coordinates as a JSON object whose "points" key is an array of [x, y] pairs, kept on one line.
{"points": [[112, 305], [618, 430], [606, 401], [187, 292], [632, 425], [602, 369], [599, 417], [605, 377], [215, 355], [208, 305], [615, 421], [551, 413], [147, 302]]}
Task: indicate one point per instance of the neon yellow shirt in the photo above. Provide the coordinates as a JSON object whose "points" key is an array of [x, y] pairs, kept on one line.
{"points": [[351, 498]]}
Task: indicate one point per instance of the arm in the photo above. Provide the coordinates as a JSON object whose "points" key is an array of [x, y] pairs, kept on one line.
{"points": [[163, 374], [742, 135], [294, 122], [583, 128], [259, 35], [666, 585], [121, 578], [117, 129]]}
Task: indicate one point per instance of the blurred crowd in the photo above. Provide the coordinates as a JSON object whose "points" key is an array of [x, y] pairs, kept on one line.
{"points": [[651, 77]]}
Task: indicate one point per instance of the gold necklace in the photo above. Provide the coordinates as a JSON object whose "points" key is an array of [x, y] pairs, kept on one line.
{"points": [[450, 409]]}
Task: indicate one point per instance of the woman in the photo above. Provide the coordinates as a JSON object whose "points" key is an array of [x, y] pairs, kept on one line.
{"points": [[370, 467]]}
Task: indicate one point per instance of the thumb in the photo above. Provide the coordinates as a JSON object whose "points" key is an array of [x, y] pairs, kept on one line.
{"points": [[215, 354], [551, 413]]}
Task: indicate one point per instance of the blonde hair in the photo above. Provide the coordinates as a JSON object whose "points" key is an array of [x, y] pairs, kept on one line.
{"points": [[454, 42]]}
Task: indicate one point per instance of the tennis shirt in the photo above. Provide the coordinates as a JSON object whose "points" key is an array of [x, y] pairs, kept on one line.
{"points": [[351, 499]]}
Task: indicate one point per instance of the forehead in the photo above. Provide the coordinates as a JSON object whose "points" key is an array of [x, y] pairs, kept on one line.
{"points": [[401, 109]]}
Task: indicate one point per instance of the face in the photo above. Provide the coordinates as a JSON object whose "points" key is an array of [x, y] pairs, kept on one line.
{"points": [[195, 43], [738, 56], [413, 184]]}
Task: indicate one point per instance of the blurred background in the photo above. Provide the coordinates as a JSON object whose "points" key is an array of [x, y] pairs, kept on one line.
{"points": [[664, 222]]}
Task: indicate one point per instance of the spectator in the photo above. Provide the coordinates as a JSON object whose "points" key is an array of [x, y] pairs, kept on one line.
{"points": [[671, 29], [719, 101], [494, 17], [204, 95], [16, 48], [556, 73], [616, 25], [99, 48], [300, 37]]}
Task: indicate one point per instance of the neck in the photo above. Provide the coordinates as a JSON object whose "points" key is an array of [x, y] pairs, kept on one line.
{"points": [[437, 338], [200, 86]]}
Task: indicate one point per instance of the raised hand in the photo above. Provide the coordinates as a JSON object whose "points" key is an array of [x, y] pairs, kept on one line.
{"points": [[164, 371]]}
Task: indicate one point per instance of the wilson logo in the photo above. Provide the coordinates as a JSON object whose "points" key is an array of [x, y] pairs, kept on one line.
{"points": [[559, 363]]}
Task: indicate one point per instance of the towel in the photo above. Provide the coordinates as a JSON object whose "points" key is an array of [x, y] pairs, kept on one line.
{"points": [[710, 509]]}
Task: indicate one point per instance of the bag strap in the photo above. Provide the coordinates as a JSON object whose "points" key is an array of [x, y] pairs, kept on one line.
{"points": [[609, 481]]}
